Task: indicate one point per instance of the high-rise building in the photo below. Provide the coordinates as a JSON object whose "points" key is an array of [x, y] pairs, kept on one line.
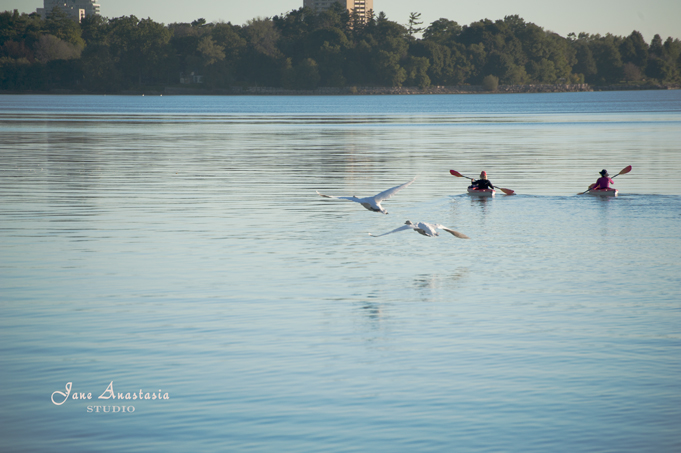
{"points": [[75, 9], [363, 7]]}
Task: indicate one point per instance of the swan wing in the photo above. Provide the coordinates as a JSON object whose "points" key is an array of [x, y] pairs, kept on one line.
{"points": [[339, 198], [455, 233], [390, 192], [402, 228]]}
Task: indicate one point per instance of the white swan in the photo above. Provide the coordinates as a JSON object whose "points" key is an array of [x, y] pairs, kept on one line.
{"points": [[373, 203], [426, 229]]}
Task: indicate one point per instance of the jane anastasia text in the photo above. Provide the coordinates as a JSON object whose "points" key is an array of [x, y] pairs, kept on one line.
{"points": [[60, 398]]}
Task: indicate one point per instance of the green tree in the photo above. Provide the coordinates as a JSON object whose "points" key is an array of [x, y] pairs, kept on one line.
{"points": [[21, 28], [477, 56], [357, 22], [16, 74], [262, 37], [50, 48], [492, 35], [447, 66], [656, 49], [307, 74], [288, 74], [391, 37], [388, 70], [294, 29], [224, 72], [442, 31], [100, 71], [12, 50], [490, 83], [210, 52], [331, 60], [358, 69], [586, 65], [199, 23], [94, 29], [227, 36], [262, 61], [140, 48], [63, 27], [328, 47], [660, 69], [325, 36], [414, 23], [631, 72], [562, 55], [634, 49], [543, 71], [608, 60], [337, 16], [672, 49], [416, 69], [501, 65], [63, 74]]}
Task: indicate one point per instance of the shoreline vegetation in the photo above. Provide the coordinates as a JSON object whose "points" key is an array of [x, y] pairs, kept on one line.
{"points": [[359, 91], [330, 52]]}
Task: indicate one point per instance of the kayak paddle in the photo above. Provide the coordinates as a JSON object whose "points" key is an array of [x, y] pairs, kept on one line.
{"points": [[624, 171], [459, 175]]}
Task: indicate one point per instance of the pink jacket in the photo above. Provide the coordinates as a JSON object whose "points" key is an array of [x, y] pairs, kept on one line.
{"points": [[603, 183]]}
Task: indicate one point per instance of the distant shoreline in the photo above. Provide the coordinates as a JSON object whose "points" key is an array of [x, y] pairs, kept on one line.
{"points": [[350, 91]]}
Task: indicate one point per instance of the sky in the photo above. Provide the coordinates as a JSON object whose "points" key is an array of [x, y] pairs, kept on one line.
{"points": [[619, 17]]}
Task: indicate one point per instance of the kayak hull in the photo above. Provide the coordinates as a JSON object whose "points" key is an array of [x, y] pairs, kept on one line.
{"points": [[604, 192], [481, 192]]}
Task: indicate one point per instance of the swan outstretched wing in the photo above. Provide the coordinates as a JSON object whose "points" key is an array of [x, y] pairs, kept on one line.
{"points": [[355, 199], [390, 192], [455, 233], [402, 228]]}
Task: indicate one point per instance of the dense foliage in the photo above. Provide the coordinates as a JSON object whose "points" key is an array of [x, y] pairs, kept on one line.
{"points": [[305, 50]]}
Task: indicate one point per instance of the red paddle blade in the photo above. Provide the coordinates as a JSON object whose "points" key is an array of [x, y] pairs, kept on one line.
{"points": [[625, 170], [456, 173], [507, 191]]}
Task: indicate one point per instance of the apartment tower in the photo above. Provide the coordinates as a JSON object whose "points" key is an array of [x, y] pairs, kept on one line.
{"points": [[363, 7], [75, 9]]}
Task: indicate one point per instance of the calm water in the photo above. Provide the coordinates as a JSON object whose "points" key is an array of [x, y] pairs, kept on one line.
{"points": [[176, 245]]}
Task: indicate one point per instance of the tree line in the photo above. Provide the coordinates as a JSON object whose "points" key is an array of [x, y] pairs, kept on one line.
{"points": [[305, 49]]}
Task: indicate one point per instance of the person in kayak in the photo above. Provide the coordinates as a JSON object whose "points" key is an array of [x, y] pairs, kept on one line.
{"points": [[604, 181], [482, 183]]}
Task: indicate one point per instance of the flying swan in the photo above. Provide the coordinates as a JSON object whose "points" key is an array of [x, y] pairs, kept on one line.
{"points": [[426, 229], [373, 203]]}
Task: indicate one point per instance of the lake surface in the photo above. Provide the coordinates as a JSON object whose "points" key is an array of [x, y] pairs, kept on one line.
{"points": [[175, 246]]}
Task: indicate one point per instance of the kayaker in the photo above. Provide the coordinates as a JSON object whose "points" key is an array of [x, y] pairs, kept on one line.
{"points": [[604, 181], [483, 182]]}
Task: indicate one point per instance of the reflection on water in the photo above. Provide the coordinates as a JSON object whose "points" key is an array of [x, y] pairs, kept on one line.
{"points": [[373, 311], [438, 281], [177, 243]]}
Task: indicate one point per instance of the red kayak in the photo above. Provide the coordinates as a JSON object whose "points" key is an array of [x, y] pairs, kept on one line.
{"points": [[604, 192], [481, 192]]}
